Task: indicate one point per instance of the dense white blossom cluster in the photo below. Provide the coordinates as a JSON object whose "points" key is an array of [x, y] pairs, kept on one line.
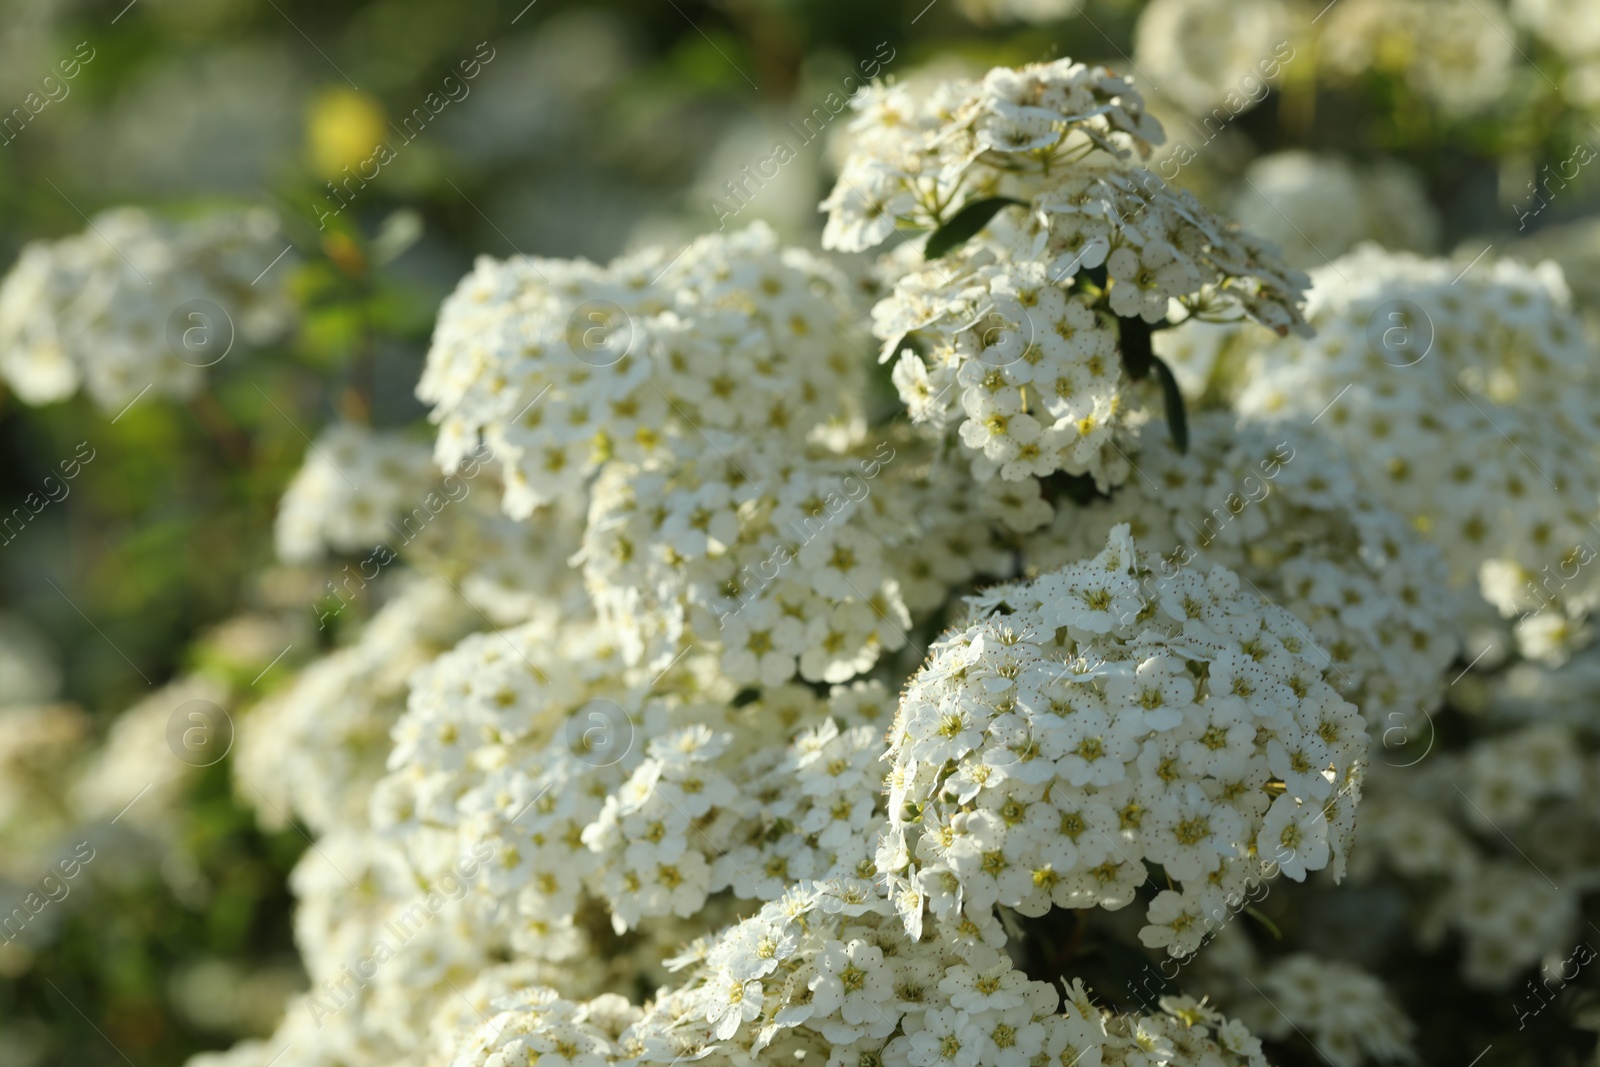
{"points": [[829, 971], [1442, 827], [793, 561], [382, 949], [1101, 716], [1462, 398], [595, 784], [563, 368], [1021, 329], [1453, 393], [709, 405], [1288, 515], [137, 302], [916, 158], [622, 755]]}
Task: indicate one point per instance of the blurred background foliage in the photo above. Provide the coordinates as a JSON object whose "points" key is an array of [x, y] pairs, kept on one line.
{"points": [[596, 126]]}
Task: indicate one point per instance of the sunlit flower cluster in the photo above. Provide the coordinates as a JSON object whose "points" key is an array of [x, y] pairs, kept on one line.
{"points": [[563, 367], [1103, 716], [690, 699], [1022, 329], [829, 971], [808, 561], [136, 302], [1284, 510], [595, 785], [1462, 397]]}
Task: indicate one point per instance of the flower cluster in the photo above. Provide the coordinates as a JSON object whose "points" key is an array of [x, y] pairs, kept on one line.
{"points": [[565, 367], [1341, 1008], [1347, 1015], [1204, 53], [1100, 717], [378, 493], [915, 159], [1292, 521], [829, 971], [707, 405], [1460, 396], [810, 561], [635, 765], [1571, 29], [1441, 827], [1458, 55], [1022, 327], [136, 302], [382, 948], [595, 784]]}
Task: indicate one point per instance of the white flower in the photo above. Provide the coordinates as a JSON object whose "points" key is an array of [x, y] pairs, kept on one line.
{"points": [[732, 1003], [995, 988], [1294, 835], [949, 1039], [855, 981], [1177, 924]]}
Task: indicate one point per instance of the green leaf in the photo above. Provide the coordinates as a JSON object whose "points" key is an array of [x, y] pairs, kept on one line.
{"points": [[964, 225], [1177, 419]]}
